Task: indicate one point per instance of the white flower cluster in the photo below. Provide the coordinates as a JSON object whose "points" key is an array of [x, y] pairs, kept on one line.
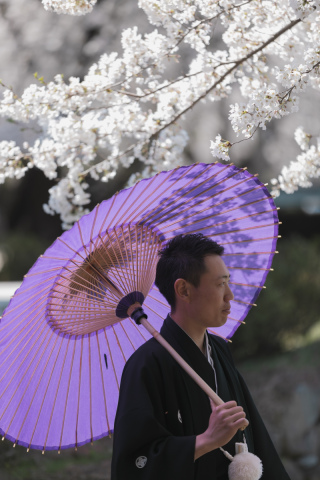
{"points": [[220, 148], [303, 8], [130, 106], [70, 7], [300, 171], [12, 163]]}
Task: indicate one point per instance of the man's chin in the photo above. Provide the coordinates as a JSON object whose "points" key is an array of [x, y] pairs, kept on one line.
{"points": [[219, 323]]}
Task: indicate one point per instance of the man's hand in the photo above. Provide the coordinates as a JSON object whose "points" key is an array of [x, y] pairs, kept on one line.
{"points": [[225, 420]]}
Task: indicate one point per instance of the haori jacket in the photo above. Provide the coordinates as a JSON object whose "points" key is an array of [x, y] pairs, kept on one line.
{"points": [[161, 410]]}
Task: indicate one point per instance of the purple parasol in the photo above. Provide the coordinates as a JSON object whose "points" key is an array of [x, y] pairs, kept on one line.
{"points": [[66, 335]]}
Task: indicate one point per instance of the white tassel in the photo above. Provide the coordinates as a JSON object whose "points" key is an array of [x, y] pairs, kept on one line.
{"points": [[244, 465]]}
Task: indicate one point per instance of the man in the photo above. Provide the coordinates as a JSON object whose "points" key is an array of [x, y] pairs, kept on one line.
{"points": [[166, 428]]}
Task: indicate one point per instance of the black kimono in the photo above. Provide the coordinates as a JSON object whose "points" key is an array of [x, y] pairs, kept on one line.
{"points": [[161, 410]]}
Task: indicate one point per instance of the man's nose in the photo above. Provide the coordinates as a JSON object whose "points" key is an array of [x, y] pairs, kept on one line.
{"points": [[229, 293]]}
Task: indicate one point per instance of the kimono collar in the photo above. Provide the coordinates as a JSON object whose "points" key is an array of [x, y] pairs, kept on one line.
{"points": [[188, 350], [227, 378]]}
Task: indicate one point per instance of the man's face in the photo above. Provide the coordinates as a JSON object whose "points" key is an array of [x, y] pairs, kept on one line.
{"points": [[210, 300]]}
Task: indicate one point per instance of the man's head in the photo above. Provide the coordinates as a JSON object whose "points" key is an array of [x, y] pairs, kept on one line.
{"points": [[183, 257], [194, 279]]}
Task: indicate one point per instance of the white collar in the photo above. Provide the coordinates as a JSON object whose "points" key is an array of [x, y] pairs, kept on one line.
{"points": [[207, 349]]}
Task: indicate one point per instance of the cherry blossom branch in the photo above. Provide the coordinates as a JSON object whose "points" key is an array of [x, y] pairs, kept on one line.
{"points": [[126, 108], [226, 74]]}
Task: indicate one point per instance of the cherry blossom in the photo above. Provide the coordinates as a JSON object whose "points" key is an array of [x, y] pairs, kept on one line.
{"points": [[300, 171], [132, 104], [71, 7]]}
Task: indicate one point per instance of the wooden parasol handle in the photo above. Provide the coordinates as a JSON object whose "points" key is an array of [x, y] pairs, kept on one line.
{"points": [[137, 314], [202, 384]]}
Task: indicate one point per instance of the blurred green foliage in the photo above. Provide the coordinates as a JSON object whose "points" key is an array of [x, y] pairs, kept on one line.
{"points": [[289, 306], [89, 462], [18, 252]]}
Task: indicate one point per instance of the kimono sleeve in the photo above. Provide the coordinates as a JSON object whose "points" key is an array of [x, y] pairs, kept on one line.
{"points": [[143, 447]]}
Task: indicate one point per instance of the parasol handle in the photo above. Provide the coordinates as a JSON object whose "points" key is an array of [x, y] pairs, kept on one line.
{"points": [[138, 315], [199, 381]]}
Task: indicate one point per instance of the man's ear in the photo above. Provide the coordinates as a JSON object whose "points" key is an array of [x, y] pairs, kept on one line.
{"points": [[182, 290]]}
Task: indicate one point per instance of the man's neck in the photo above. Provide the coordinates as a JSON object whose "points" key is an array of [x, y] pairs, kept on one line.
{"points": [[193, 330]]}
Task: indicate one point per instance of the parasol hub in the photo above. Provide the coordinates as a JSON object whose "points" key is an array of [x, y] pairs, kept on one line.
{"points": [[137, 314], [132, 308]]}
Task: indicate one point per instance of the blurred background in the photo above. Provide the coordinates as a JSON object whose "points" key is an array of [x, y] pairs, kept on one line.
{"points": [[278, 350]]}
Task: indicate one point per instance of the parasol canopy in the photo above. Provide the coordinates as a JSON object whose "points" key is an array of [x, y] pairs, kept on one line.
{"points": [[66, 335]]}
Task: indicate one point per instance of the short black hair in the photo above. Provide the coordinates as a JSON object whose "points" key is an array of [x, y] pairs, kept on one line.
{"points": [[183, 257]]}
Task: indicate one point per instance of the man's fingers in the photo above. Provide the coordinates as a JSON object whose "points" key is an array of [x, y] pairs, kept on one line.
{"points": [[227, 413], [240, 416], [244, 424], [224, 406], [227, 405], [231, 412]]}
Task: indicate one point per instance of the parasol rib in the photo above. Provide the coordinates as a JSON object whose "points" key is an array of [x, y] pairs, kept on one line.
{"points": [[22, 362], [119, 345], [102, 382], [23, 329], [78, 403], [67, 395], [125, 332], [90, 387], [35, 391], [114, 370], [55, 398], [92, 228]]}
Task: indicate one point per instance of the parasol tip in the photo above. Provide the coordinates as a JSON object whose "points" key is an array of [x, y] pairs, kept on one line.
{"points": [[14, 445], [28, 450]]}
